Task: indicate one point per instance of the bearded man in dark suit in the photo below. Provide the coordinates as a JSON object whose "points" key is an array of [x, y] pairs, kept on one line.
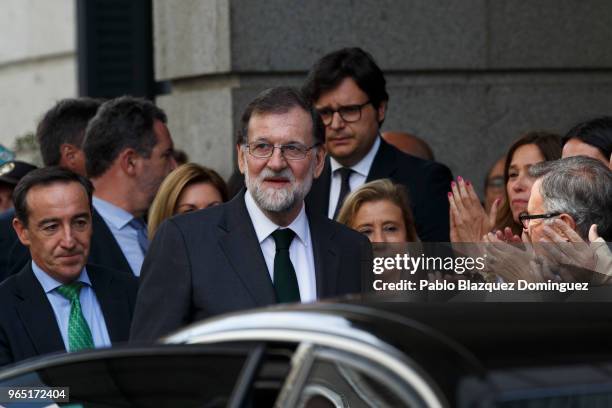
{"points": [[264, 246]]}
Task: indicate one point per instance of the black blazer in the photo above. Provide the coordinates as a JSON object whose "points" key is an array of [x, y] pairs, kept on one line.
{"points": [[104, 250], [8, 237], [27, 323], [210, 262], [427, 182]]}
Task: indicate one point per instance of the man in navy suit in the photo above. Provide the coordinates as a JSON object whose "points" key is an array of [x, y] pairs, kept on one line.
{"points": [[262, 247], [349, 91], [56, 302]]}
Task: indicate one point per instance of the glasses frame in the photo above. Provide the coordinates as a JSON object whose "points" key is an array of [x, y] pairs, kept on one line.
{"points": [[339, 112], [528, 217], [281, 147]]}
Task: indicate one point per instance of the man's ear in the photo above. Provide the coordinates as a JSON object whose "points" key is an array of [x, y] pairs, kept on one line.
{"points": [[381, 111], [569, 220], [241, 158], [22, 232], [128, 161], [69, 154], [320, 160]]}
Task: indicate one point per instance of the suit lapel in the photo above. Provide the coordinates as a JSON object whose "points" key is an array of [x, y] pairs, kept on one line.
{"points": [[104, 247], [36, 313], [318, 197], [384, 164], [241, 247], [113, 302], [325, 255]]}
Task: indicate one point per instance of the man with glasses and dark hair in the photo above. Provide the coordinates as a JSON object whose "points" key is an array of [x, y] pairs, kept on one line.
{"points": [[348, 90], [264, 246]]}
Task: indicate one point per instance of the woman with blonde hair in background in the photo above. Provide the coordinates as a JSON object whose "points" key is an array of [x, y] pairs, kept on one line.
{"points": [[381, 211], [189, 187]]}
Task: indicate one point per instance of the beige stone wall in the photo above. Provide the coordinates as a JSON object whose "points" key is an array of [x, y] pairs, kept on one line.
{"points": [[37, 61], [200, 121]]}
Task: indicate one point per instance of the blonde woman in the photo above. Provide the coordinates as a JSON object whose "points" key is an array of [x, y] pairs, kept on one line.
{"points": [[381, 211], [189, 187]]}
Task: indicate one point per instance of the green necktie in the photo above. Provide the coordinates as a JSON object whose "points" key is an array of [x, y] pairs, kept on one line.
{"points": [[285, 281], [79, 335]]}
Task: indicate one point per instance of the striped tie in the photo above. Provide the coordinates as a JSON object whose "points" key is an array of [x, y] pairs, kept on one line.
{"points": [[79, 335]]}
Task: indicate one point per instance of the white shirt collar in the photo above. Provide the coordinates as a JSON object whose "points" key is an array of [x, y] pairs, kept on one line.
{"points": [[264, 226], [363, 166], [111, 213]]}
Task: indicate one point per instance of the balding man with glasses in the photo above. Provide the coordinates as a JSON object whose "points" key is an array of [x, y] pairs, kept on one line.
{"points": [[348, 90], [264, 246]]}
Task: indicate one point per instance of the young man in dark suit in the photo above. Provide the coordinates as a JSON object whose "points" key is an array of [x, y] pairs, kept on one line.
{"points": [[349, 91], [264, 246], [56, 302]]}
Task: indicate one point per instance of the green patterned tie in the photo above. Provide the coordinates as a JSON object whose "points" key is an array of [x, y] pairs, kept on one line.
{"points": [[285, 281], [79, 335]]}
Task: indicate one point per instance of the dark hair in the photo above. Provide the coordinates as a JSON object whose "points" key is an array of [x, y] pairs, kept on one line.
{"points": [[581, 187], [488, 175], [64, 123], [120, 123], [329, 71], [180, 157], [596, 132], [549, 145], [280, 100], [44, 177]]}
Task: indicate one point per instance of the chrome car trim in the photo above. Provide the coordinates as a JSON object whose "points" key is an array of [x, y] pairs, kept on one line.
{"points": [[316, 328], [331, 396], [301, 364]]}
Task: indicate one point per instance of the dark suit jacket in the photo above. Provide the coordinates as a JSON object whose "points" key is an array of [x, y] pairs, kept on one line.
{"points": [[8, 237], [427, 182], [103, 250], [27, 323], [210, 262]]}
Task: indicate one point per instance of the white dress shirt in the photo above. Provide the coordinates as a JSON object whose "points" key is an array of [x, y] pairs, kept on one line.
{"points": [[118, 221], [360, 173], [300, 251], [61, 307]]}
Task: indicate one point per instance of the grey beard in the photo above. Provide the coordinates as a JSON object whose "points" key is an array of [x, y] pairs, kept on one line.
{"points": [[278, 200]]}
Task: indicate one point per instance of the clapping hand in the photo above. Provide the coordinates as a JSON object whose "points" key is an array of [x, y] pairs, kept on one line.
{"points": [[575, 259], [507, 260], [469, 221]]}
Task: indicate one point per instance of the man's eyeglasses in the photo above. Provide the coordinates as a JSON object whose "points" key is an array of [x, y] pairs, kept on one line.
{"points": [[349, 113], [524, 217], [290, 151]]}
